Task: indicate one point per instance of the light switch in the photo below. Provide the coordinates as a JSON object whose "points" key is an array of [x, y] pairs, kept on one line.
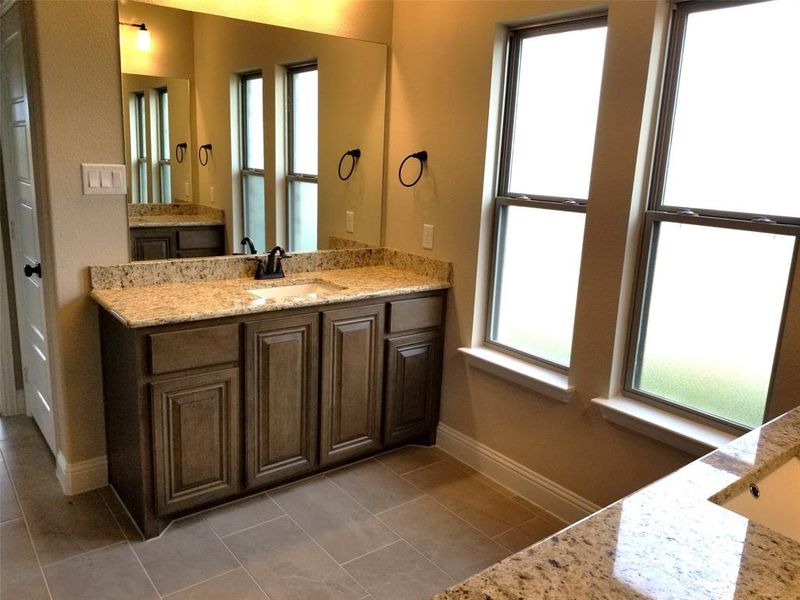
{"points": [[349, 221], [104, 179], [427, 236]]}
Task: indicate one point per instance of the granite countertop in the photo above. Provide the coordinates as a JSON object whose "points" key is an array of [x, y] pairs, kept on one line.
{"points": [[166, 303], [168, 220], [666, 541]]}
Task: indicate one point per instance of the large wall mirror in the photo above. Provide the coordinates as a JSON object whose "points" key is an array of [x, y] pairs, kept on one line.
{"points": [[237, 129]]}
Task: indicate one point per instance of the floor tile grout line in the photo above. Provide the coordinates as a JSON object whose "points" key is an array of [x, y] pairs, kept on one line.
{"points": [[130, 546], [457, 516], [404, 473], [494, 537], [28, 531], [400, 537], [248, 528], [82, 554], [188, 587], [336, 562], [236, 558], [392, 543]]}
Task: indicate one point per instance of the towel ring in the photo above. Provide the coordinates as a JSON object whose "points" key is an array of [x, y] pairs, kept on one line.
{"points": [[180, 151], [355, 154], [203, 154], [422, 157]]}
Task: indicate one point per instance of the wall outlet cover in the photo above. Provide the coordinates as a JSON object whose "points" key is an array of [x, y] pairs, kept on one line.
{"points": [[427, 237], [349, 221]]}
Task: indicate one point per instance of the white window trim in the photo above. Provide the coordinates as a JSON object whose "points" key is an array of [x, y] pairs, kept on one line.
{"points": [[548, 382], [663, 425]]}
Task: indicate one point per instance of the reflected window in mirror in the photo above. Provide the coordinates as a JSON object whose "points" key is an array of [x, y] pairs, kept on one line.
{"points": [[164, 166], [139, 134], [252, 159], [302, 175]]}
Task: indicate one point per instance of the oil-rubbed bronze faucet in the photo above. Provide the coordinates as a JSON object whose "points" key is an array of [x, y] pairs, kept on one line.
{"points": [[273, 267]]}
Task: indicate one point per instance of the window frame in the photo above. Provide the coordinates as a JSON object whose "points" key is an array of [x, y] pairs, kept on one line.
{"points": [[140, 128], [656, 212], [164, 163], [504, 197], [245, 171], [293, 176]]}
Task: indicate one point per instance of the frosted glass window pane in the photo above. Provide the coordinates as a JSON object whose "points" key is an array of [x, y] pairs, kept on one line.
{"points": [[304, 122], [715, 309], [537, 281], [163, 111], [556, 113], [254, 120], [734, 141], [166, 183], [255, 221], [303, 216]]}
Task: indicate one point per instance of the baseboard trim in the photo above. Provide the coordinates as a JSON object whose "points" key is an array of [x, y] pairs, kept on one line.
{"points": [[82, 476], [552, 497]]}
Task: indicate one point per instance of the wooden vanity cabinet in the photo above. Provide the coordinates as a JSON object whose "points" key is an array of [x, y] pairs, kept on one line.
{"points": [[281, 376], [352, 381], [199, 413]]}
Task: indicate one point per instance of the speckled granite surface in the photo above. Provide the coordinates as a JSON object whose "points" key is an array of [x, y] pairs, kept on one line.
{"points": [[165, 303], [667, 541], [173, 215], [154, 272]]}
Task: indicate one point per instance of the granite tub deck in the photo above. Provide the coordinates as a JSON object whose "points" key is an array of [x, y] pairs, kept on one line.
{"points": [[667, 541]]}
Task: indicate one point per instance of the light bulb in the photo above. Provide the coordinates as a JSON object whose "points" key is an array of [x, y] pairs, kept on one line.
{"points": [[143, 39]]}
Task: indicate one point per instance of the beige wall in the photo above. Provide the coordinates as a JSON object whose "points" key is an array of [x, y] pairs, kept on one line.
{"points": [[444, 100], [80, 120], [368, 20]]}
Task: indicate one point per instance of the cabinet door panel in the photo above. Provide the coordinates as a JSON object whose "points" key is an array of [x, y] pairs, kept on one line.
{"points": [[412, 385], [281, 390], [196, 435], [352, 366]]}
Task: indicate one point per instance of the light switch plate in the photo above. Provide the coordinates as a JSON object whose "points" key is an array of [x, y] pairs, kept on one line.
{"points": [[108, 180], [427, 237], [349, 221]]}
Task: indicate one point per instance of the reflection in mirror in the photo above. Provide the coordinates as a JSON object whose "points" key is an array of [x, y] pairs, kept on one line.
{"points": [[279, 106]]}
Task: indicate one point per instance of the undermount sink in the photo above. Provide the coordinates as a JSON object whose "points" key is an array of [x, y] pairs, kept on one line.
{"points": [[310, 290], [773, 500]]}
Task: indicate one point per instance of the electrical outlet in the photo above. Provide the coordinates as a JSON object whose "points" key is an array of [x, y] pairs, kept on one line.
{"points": [[186, 190], [349, 221], [211, 195], [427, 236]]}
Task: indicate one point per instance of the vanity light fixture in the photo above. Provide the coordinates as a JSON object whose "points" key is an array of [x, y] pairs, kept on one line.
{"points": [[142, 36]]}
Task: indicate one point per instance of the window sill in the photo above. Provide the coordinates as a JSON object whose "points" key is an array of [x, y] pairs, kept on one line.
{"points": [[662, 425], [548, 382]]}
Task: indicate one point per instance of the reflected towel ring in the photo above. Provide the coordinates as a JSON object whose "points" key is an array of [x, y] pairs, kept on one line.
{"points": [[355, 153], [203, 154], [422, 157], [180, 151]]}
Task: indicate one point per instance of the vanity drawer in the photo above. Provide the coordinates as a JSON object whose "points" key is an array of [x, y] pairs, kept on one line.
{"points": [[419, 313], [193, 348], [189, 239]]}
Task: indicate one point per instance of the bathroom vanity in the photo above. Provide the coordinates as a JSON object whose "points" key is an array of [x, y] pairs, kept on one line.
{"points": [[217, 389]]}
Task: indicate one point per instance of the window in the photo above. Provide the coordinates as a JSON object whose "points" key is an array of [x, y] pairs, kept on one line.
{"points": [[302, 160], [552, 97], [139, 127], [164, 166], [252, 159], [721, 224]]}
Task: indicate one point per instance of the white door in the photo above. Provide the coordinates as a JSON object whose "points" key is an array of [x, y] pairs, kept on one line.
{"points": [[23, 224]]}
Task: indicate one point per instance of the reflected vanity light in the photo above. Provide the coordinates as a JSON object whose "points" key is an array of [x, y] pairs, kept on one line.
{"points": [[142, 36]]}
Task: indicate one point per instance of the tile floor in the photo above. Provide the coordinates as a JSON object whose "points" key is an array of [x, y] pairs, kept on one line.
{"points": [[401, 526]]}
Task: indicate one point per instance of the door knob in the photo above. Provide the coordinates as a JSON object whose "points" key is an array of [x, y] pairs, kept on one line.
{"points": [[29, 270]]}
